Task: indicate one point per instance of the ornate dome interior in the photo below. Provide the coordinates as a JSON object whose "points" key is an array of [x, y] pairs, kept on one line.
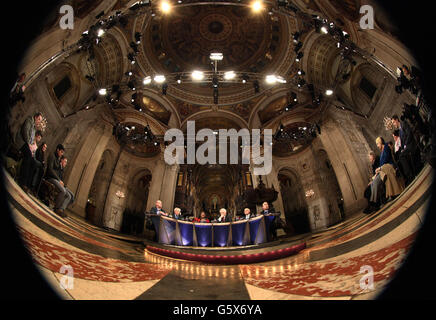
{"points": [[319, 89]]}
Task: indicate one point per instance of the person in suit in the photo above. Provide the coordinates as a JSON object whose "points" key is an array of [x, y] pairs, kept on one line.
{"points": [[272, 229], [27, 138], [157, 209], [177, 214], [203, 218], [39, 167], [247, 214], [409, 158], [375, 163], [223, 216]]}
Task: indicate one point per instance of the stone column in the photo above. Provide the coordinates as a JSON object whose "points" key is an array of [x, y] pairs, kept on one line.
{"points": [[346, 168], [81, 176], [168, 188]]}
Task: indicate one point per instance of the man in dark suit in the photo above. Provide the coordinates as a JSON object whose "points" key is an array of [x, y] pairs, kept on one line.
{"points": [[409, 158], [27, 139], [224, 217], [272, 229], [247, 214], [157, 209], [375, 163], [177, 214]]}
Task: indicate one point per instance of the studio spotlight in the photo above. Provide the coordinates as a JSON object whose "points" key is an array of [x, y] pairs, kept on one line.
{"points": [[166, 7], [245, 78], [257, 6], [300, 55], [198, 75], [147, 80], [159, 79], [138, 37], [102, 92], [216, 56], [230, 75], [131, 85], [329, 92]]}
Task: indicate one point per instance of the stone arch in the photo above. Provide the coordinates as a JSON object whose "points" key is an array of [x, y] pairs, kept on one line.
{"points": [[367, 75], [294, 203], [331, 190], [216, 114], [99, 188], [319, 57]]}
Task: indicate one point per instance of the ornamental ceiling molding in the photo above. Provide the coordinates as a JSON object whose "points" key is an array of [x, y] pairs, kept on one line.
{"points": [[285, 66], [133, 116], [164, 102], [332, 14], [210, 114], [268, 99]]}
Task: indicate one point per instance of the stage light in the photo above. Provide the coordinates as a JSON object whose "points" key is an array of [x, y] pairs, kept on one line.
{"points": [[216, 56], [100, 32], [230, 75], [138, 37], [280, 79], [165, 7], [147, 80], [329, 92], [324, 30], [245, 78], [198, 75], [159, 79], [102, 92], [257, 6], [271, 79]]}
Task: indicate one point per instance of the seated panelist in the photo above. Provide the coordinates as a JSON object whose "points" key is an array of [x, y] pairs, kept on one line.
{"points": [[223, 216], [177, 214], [247, 214], [203, 218]]}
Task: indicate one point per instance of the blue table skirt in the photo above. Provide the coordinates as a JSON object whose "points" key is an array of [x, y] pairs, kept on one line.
{"points": [[239, 233]]}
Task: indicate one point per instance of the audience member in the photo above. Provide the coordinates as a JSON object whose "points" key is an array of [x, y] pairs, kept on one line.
{"points": [[409, 157], [28, 149], [375, 163], [39, 166]]}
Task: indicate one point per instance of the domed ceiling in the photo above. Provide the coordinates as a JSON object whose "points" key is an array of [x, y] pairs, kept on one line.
{"points": [[184, 41]]}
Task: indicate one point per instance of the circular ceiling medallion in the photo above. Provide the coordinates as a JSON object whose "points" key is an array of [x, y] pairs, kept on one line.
{"points": [[215, 27]]}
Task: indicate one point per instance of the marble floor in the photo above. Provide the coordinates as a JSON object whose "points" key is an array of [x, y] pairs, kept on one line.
{"points": [[356, 259]]}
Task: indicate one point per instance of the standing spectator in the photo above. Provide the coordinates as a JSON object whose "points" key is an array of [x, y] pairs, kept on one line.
{"points": [[409, 157], [28, 149], [39, 167]]}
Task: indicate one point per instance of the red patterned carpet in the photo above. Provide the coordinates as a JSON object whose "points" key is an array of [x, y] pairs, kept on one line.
{"points": [[331, 267]]}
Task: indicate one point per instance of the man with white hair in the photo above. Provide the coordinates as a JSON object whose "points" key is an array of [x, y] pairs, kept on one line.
{"points": [[177, 214], [223, 216], [157, 209]]}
